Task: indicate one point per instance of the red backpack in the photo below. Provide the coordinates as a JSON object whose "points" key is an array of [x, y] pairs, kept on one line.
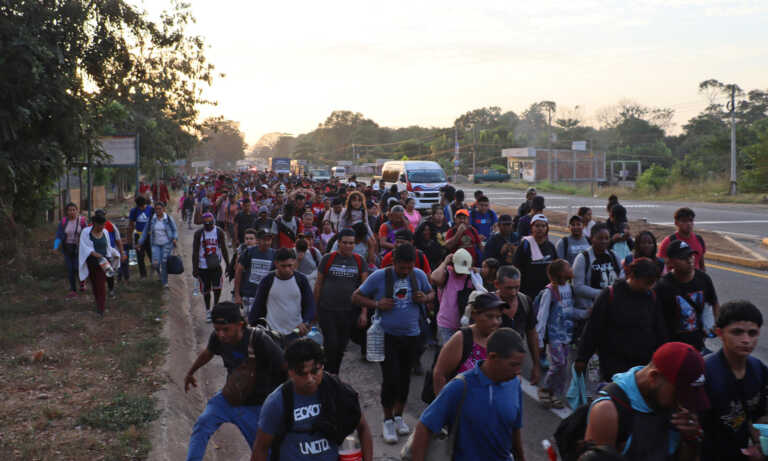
{"points": [[332, 256]]}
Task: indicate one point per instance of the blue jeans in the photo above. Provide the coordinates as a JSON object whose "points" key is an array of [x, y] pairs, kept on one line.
{"points": [[73, 270], [217, 412], [159, 258]]}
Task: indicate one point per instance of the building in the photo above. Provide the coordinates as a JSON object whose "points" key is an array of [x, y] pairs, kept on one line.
{"points": [[532, 164]]}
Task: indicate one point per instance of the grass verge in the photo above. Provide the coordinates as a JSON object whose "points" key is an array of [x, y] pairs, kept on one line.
{"points": [[76, 385], [713, 190]]}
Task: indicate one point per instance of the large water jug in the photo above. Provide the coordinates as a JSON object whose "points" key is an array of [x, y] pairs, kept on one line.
{"points": [[375, 341], [133, 258], [350, 449], [315, 335]]}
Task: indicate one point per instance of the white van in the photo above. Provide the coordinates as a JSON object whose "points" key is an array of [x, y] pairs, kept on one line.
{"points": [[421, 179], [339, 172]]}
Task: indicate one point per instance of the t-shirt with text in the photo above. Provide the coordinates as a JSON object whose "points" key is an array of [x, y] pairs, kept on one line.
{"points": [[256, 265]]}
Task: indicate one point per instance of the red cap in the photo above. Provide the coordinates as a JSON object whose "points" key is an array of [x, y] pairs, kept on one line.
{"points": [[462, 211], [683, 366]]}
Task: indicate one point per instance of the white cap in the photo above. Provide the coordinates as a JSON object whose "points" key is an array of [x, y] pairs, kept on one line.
{"points": [[539, 217], [462, 261]]}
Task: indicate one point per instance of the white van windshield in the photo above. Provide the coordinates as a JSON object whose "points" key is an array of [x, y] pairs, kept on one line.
{"points": [[426, 176]]}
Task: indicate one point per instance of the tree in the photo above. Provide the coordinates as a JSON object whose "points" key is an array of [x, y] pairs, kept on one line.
{"points": [[223, 143], [485, 117], [755, 173]]}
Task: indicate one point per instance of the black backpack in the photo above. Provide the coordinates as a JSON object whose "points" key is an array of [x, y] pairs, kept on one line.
{"points": [[340, 412], [569, 435], [428, 391]]}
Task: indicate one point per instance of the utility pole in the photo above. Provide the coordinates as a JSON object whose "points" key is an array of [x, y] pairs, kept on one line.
{"points": [[550, 107], [455, 154], [732, 190], [474, 151]]}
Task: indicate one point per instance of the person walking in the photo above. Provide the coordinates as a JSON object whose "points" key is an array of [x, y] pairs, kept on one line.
{"points": [[687, 297], [626, 324], [491, 406], [96, 258], [339, 274], [116, 241], [68, 242], [284, 298], [231, 339], [525, 223], [505, 235], [399, 294], [463, 235], [482, 218], [454, 284], [138, 218], [209, 250], [253, 265], [411, 213], [663, 397], [684, 218], [161, 231], [571, 245], [311, 414], [454, 358], [533, 256]]}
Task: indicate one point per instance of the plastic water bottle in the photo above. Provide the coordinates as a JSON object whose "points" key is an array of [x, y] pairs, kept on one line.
{"points": [[465, 318], [133, 259], [315, 335], [106, 267], [375, 341], [196, 289], [350, 450]]}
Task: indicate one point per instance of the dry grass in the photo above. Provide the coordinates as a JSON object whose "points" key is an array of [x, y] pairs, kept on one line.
{"points": [[75, 385]]}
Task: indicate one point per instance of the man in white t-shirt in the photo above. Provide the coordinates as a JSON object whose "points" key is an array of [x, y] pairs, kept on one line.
{"points": [[284, 298]]}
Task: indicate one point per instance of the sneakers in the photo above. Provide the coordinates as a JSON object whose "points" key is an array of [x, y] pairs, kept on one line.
{"points": [[112, 294], [401, 427], [388, 431], [207, 316], [71, 294]]}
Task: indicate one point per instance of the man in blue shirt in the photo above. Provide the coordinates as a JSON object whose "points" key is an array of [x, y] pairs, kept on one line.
{"points": [[491, 406], [137, 220], [482, 218], [398, 293]]}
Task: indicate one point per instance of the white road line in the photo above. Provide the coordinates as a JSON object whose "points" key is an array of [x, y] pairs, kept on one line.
{"points": [[697, 222], [532, 392]]}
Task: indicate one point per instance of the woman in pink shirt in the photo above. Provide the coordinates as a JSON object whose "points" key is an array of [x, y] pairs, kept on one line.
{"points": [[411, 213]]}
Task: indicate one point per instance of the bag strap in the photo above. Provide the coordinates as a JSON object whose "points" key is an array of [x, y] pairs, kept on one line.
{"points": [[327, 266], [389, 282], [624, 410], [468, 342], [455, 427]]}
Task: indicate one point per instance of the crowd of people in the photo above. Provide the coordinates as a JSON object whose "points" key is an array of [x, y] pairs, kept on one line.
{"points": [[315, 264]]}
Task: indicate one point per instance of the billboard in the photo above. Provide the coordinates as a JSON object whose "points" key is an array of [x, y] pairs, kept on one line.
{"points": [[120, 150]]}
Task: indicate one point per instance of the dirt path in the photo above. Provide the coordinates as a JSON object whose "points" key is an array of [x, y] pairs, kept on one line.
{"points": [[187, 335]]}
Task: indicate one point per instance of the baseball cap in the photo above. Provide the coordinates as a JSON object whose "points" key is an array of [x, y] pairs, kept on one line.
{"points": [[100, 212], [530, 189], [207, 215], [505, 219], [539, 217], [263, 209], [263, 232], [462, 261], [683, 366], [679, 250], [483, 301], [462, 211], [226, 312]]}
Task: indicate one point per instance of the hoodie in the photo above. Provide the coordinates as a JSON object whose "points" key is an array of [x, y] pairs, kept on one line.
{"points": [[625, 329]]}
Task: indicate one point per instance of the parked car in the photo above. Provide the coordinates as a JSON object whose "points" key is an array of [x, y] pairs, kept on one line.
{"points": [[491, 176]]}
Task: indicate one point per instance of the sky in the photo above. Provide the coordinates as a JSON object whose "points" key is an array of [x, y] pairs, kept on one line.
{"points": [[289, 64]]}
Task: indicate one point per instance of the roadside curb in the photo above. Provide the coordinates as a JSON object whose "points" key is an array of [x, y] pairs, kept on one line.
{"points": [[761, 264]]}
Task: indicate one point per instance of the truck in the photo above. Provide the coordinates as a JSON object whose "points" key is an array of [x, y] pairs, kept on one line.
{"points": [[298, 167], [280, 165]]}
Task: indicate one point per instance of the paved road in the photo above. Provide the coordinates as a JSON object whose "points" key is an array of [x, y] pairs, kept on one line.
{"points": [[736, 219]]}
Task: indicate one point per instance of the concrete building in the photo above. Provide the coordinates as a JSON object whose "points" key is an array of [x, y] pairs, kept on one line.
{"points": [[532, 164]]}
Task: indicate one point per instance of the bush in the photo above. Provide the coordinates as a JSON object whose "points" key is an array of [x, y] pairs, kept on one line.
{"points": [[654, 178]]}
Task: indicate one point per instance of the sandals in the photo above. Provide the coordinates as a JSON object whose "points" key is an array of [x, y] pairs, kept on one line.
{"points": [[545, 398]]}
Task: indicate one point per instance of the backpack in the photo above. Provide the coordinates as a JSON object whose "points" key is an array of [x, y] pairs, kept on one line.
{"points": [[428, 390], [333, 255], [389, 292], [340, 412], [673, 237], [569, 435]]}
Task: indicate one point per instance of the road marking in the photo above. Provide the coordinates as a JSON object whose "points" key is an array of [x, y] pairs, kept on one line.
{"points": [[754, 221], [738, 271], [532, 392]]}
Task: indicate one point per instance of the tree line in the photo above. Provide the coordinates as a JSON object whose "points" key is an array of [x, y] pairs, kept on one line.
{"points": [[626, 131]]}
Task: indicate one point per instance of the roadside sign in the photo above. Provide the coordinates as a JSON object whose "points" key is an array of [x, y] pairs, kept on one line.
{"points": [[120, 150], [579, 145], [201, 164]]}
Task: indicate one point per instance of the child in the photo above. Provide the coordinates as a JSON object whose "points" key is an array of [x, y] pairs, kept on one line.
{"points": [[326, 235], [488, 271], [554, 322], [736, 385]]}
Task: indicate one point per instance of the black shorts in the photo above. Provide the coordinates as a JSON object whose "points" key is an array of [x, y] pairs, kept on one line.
{"points": [[209, 279]]}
